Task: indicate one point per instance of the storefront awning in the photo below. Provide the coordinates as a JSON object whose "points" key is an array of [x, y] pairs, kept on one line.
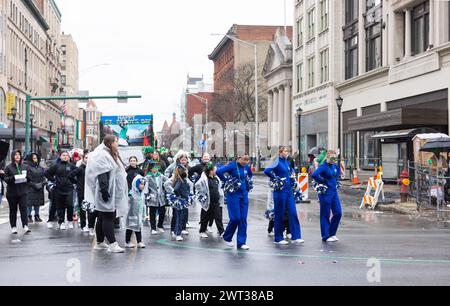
{"points": [[43, 139], [402, 118], [409, 133], [20, 134]]}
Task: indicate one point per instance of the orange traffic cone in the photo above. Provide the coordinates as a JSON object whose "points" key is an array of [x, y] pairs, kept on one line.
{"points": [[355, 177]]}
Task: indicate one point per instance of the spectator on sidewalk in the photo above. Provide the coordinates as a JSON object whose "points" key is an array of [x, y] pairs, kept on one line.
{"points": [[35, 192]]}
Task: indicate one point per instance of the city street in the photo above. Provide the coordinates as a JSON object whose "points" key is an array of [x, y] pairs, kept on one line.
{"points": [[409, 252]]}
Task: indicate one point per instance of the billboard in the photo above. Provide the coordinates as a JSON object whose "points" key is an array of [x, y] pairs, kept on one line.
{"points": [[131, 130]]}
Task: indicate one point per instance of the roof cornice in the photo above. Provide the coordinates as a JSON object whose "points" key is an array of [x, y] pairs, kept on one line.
{"points": [[36, 13]]}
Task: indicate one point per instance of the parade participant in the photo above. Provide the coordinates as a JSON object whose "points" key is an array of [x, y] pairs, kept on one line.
{"points": [[35, 193], [64, 181], [132, 171], [16, 192], [136, 212], [328, 174], [211, 198], [76, 158], [181, 187], [148, 153], [156, 198], [195, 173], [180, 158], [156, 158], [163, 153], [237, 201], [284, 198], [106, 186], [270, 213], [79, 174]]}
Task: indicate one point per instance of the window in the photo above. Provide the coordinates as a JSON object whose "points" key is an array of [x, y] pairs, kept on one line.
{"points": [[63, 49], [420, 28], [311, 72], [299, 78], [299, 32], [351, 57], [369, 150], [351, 11], [63, 79], [324, 60], [373, 23], [311, 24], [323, 14]]}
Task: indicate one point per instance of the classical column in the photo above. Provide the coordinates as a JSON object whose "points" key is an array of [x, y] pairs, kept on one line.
{"points": [[275, 122], [281, 104], [408, 33], [287, 115], [269, 117]]}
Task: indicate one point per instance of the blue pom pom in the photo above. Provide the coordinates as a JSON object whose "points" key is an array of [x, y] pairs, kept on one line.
{"points": [[250, 184], [298, 197], [277, 183], [269, 214], [231, 185], [86, 206], [320, 188]]}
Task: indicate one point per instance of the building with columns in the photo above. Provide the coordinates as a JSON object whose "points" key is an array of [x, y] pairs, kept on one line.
{"points": [[278, 73], [394, 79], [314, 74]]}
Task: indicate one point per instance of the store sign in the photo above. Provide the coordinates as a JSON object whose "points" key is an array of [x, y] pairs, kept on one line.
{"points": [[10, 102]]}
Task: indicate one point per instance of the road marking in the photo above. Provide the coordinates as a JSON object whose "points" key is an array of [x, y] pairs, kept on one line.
{"points": [[354, 258]]}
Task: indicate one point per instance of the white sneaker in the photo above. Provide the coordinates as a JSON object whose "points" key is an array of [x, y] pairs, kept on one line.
{"points": [[203, 235], [70, 225], [14, 230], [229, 244], [161, 230], [85, 229], [184, 232], [245, 247], [141, 245], [49, 225], [26, 229], [130, 245], [210, 230], [298, 241], [154, 232], [331, 239], [91, 232], [179, 238], [289, 236], [62, 226], [271, 234], [101, 246], [115, 248], [335, 238], [282, 242], [173, 235]]}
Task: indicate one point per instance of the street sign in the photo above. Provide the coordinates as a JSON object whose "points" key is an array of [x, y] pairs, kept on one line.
{"points": [[10, 102]]}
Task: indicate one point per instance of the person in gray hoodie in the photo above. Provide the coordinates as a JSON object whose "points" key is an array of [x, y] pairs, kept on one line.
{"points": [[210, 196]]}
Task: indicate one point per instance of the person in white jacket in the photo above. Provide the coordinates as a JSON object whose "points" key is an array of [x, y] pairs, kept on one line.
{"points": [[210, 196]]}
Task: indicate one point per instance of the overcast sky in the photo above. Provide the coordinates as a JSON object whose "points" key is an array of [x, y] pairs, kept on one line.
{"points": [[151, 46]]}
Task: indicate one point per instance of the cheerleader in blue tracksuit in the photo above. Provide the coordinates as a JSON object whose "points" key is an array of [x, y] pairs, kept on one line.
{"points": [[237, 202], [328, 174], [284, 199]]}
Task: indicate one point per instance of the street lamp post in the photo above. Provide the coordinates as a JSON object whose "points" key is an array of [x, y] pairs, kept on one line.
{"points": [[299, 115], [256, 94], [339, 102], [31, 131], [14, 114], [50, 125], [59, 133]]}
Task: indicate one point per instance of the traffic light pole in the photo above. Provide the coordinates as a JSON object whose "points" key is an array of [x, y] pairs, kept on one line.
{"points": [[29, 99]]}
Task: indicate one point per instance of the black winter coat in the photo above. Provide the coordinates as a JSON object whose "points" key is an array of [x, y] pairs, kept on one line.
{"points": [[62, 174], [14, 189], [35, 195]]}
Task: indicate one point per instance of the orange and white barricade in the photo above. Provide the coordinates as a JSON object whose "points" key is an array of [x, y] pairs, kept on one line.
{"points": [[342, 170], [368, 198], [303, 185]]}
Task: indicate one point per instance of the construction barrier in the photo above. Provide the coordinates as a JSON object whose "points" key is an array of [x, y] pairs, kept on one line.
{"points": [[368, 198], [355, 177], [342, 170], [304, 185]]}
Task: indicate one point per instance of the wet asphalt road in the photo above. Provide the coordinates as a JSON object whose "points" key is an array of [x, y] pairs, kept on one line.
{"points": [[409, 252]]}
